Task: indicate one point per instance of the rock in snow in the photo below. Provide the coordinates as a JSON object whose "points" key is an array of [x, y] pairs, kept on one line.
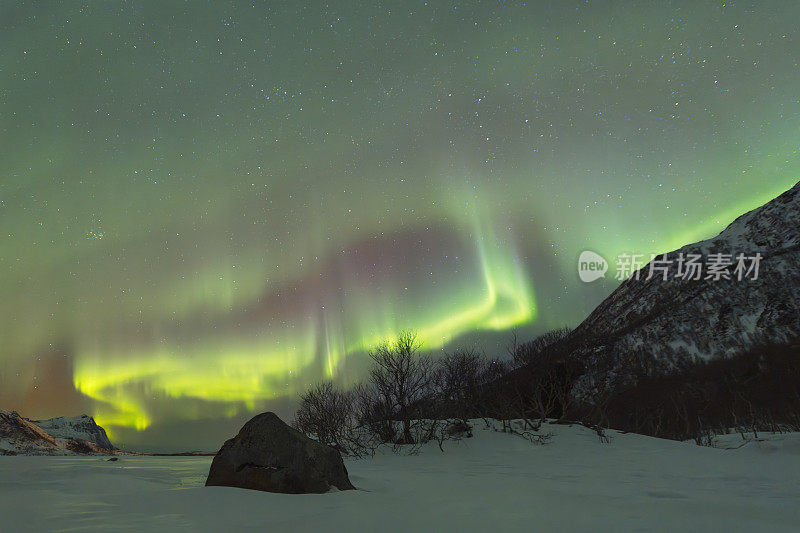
{"points": [[269, 455], [679, 321]]}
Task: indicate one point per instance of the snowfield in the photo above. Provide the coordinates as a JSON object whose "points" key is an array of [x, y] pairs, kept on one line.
{"points": [[493, 481]]}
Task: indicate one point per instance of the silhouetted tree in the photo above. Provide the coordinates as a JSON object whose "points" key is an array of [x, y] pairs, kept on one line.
{"points": [[401, 378], [457, 380], [326, 414], [538, 349]]}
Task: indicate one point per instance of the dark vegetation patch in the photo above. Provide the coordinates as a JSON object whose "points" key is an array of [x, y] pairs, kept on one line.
{"points": [[410, 399]]}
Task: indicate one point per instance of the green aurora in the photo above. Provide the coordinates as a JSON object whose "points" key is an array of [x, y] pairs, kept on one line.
{"points": [[206, 207]]}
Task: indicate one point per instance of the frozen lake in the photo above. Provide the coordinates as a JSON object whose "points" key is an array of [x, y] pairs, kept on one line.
{"points": [[492, 481]]}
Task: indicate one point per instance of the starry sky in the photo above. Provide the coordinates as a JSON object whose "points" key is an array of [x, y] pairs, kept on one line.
{"points": [[206, 207]]}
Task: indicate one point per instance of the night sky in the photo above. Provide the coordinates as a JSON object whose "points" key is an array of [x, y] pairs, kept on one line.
{"points": [[205, 207]]}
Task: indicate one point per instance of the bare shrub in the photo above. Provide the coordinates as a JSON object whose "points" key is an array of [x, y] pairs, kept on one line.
{"points": [[541, 379], [534, 351], [495, 400], [456, 381], [400, 378], [374, 413], [330, 415]]}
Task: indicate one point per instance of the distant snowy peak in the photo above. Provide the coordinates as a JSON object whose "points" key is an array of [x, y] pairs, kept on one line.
{"points": [[57, 436], [678, 320], [20, 436], [81, 428]]}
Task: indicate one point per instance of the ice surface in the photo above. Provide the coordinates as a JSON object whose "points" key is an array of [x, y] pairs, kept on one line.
{"points": [[494, 481]]}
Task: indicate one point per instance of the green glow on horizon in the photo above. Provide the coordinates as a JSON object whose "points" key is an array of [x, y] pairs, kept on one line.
{"points": [[244, 375]]}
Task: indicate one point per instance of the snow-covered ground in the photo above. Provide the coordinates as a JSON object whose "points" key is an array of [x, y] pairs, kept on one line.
{"points": [[494, 482]]}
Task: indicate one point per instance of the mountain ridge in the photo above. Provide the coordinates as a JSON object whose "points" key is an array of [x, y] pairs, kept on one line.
{"points": [[78, 435], [678, 321]]}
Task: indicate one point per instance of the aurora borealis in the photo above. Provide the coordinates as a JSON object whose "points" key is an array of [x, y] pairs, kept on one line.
{"points": [[205, 207]]}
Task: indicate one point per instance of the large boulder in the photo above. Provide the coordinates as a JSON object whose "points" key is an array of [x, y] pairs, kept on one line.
{"points": [[269, 455]]}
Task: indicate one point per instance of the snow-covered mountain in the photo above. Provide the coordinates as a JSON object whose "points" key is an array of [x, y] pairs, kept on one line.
{"points": [[677, 321], [64, 436], [20, 436], [82, 428]]}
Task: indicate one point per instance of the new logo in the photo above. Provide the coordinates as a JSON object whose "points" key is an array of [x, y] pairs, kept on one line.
{"points": [[591, 266]]}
